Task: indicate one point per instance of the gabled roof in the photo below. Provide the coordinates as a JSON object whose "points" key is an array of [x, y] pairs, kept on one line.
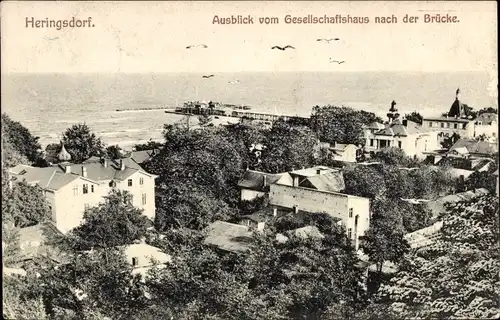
{"points": [[51, 178], [342, 146], [475, 146], [254, 180], [331, 181], [228, 236], [397, 128]]}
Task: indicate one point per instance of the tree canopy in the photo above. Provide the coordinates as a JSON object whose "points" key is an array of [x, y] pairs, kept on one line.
{"points": [[457, 276], [20, 144], [81, 143]]}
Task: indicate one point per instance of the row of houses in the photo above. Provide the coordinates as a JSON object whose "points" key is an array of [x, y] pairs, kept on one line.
{"points": [[299, 192]]}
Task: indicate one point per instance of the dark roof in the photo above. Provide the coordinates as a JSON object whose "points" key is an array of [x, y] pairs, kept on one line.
{"points": [[228, 236], [459, 109], [475, 146], [254, 180], [448, 119]]}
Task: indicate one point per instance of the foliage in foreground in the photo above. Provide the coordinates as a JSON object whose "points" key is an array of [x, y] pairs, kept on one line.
{"points": [[458, 276]]}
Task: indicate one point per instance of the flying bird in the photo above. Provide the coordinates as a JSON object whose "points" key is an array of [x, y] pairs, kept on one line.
{"points": [[209, 76], [234, 81], [197, 46], [328, 40], [337, 61], [283, 48]]}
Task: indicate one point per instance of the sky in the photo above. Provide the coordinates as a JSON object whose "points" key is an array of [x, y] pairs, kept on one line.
{"points": [[151, 37]]}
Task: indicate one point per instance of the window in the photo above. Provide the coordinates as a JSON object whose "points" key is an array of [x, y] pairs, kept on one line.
{"points": [[141, 181], [143, 199], [350, 212], [455, 126], [430, 124], [75, 190], [399, 144], [442, 124], [92, 188], [371, 142], [135, 261], [464, 125], [349, 233], [129, 181], [112, 184], [86, 206], [85, 188]]}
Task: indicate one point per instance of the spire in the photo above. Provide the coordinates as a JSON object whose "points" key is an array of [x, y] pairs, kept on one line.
{"points": [[457, 93], [393, 112], [63, 154]]}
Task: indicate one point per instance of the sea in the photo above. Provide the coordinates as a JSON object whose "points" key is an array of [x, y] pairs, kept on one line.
{"points": [[48, 103]]}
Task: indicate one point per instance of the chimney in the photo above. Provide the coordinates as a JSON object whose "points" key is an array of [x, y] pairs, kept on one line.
{"points": [[84, 172], [265, 181], [67, 169], [405, 122], [296, 181], [122, 165], [275, 212], [105, 163], [295, 209]]}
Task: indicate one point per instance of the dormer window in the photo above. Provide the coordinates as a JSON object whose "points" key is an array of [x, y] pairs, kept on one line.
{"points": [[112, 184], [22, 172], [135, 261]]}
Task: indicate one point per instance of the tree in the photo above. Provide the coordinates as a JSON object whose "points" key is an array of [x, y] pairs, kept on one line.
{"points": [[394, 156], [114, 152], [481, 179], [205, 120], [20, 139], [340, 124], [448, 142], [81, 143], [384, 240], [415, 117], [150, 145], [115, 222], [364, 181], [15, 307], [457, 276], [25, 205], [288, 147]]}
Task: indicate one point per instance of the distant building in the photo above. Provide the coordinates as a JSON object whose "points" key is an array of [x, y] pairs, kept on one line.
{"points": [[142, 257], [71, 188], [319, 178], [471, 148], [457, 120], [143, 156], [438, 205], [341, 152], [255, 184], [424, 237], [487, 124], [411, 137]]}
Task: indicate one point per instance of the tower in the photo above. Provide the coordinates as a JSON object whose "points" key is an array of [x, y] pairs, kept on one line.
{"points": [[63, 154], [393, 112]]}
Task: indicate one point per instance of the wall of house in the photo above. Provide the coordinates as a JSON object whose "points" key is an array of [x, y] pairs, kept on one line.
{"points": [[347, 155], [488, 130], [449, 127], [335, 204], [69, 207], [137, 190], [248, 195]]}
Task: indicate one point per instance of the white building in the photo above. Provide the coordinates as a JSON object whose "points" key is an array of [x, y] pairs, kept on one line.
{"points": [[486, 124], [71, 188], [142, 257], [415, 140]]}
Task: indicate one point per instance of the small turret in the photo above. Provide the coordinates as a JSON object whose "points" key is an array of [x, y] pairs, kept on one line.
{"points": [[393, 112], [63, 154]]}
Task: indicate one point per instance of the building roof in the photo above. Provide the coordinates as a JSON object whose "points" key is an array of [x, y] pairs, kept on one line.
{"points": [[331, 181], [33, 240], [313, 171], [438, 205], [341, 146], [228, 236], [254, 180], [486, 118], [397, 128], [475, 146], [48, 178], [374, 125], [143, 155], [459, 109], [448, 119]]}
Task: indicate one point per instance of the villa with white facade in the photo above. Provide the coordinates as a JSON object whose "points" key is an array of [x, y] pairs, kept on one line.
{"points": [[71, 188]]}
